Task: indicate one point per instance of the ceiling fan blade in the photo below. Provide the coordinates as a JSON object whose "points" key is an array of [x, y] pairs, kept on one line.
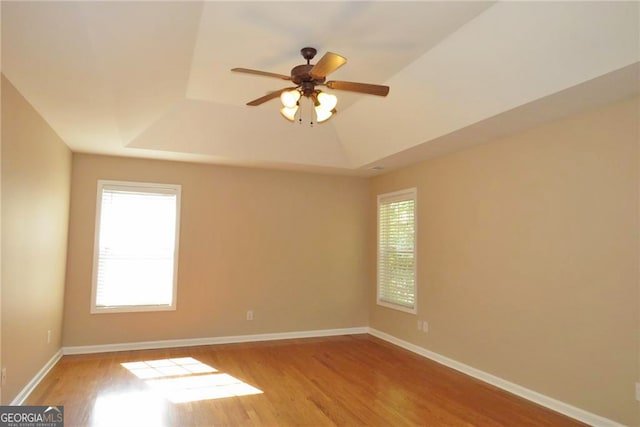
{"points": [[370, 89], [261, 73], [327, 65], [268, 97]]}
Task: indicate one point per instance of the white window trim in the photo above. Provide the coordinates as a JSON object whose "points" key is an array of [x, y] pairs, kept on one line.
{"points": [[133, 186], [399, 195]]}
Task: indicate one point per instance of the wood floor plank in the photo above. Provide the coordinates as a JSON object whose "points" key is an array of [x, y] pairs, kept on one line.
{"points": [[355, 380]]}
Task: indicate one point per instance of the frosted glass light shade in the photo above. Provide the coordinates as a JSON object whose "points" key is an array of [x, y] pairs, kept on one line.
{"points": [[327, 101], [289, 98], [322, 114], [289, 113]]}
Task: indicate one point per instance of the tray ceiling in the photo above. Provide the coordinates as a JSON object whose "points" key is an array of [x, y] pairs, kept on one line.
{"points": [[152, 79]]}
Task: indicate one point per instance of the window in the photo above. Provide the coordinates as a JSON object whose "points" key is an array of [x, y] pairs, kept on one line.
{"points": [[136, 247], [397, 250]]}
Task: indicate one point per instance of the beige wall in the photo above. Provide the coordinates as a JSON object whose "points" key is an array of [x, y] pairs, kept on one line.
{"points": [[290, 246], [528, 259], [36, 171]]}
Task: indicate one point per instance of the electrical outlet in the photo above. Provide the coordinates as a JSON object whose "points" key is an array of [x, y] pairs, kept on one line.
{"points": [[3, 376], [49, 337], [249, 314], [425, 326], [638, 392]]}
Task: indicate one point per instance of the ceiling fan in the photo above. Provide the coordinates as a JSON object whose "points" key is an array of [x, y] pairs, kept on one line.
{"points": [[307, 77]]}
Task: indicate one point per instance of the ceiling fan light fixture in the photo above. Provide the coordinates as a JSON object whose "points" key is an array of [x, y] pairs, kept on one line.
{"points": [[289, 113], [289, 98]]}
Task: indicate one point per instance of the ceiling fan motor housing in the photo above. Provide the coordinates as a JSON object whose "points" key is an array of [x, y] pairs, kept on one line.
{"points": [[301, 75]]}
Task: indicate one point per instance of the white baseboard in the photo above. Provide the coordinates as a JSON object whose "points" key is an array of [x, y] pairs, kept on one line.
{"points": [[26, 391], [541, 399], [147, 345]]}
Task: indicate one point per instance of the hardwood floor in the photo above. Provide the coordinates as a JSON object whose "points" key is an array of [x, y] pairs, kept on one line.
{"points": [[349, 380]]}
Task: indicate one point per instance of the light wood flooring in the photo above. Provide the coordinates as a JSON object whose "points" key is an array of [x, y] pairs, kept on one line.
{"points": [[353, 380]]}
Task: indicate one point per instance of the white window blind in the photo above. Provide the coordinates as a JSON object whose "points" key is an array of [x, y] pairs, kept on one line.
{"points": [[135, 261], [397, 250]]}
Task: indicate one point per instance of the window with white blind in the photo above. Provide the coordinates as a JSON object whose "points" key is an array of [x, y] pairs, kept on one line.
{"points": [[397, 250], [136, 247]]}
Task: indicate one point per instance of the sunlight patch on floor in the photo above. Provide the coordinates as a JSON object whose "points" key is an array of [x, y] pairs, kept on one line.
{"points": [[186, 379], [167, 367], [202, 387]]}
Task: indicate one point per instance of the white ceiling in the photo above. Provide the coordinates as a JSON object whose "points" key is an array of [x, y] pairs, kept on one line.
{"points": [[152, 79]]}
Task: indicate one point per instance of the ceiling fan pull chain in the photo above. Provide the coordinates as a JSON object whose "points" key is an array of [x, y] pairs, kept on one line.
{"points": [[311, 112]]}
